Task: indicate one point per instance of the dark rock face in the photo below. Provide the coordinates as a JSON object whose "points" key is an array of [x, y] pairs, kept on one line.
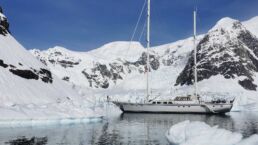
{"points": [[2, 64], [248, 39], [100, 75], [4, 25], [222, 53], [102, 68], [66, 78], [116, 71], [154, 61], [57, 58], [43, 61], [43, 74], [248, 84], [66, 63], [27, 74]]}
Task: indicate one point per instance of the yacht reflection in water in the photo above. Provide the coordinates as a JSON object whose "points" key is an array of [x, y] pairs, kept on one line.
{"points": [[242, 123], [167, 120]]}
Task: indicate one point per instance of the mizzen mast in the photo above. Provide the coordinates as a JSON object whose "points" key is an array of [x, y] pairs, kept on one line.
{"points": [[195, 57]]}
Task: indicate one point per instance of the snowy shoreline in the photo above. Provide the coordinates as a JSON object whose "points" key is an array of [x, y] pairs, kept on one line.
{"points": [[47, 122]]}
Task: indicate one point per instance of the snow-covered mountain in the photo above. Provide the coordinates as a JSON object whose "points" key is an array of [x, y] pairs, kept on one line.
{"points": [[229, 50], [28, 90], [227, 62]]}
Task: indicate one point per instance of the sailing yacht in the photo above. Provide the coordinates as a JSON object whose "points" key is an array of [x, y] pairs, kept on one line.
{"points": [[180, 104]]}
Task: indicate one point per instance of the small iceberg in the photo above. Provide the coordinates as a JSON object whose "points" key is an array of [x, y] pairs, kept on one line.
{"points": [[199, 133]]}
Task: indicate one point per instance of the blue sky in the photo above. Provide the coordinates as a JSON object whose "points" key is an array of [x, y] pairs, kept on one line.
{"points": [[87, 24]]}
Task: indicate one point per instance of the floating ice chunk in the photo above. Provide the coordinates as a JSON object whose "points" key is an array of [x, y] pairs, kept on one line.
{"points": [[177, 133], [199, 133]]}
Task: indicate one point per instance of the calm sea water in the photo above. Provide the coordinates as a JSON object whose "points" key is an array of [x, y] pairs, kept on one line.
{"points": [[123, 129]]}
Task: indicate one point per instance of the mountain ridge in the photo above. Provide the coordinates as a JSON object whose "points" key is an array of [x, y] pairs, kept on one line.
{"points": [[118, 76]]}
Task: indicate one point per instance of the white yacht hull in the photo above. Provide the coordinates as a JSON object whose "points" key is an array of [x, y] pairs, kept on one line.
{"points": [[174, 108]]}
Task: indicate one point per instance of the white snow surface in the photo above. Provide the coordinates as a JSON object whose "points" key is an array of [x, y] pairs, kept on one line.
{"points": [[127, 50], [199, 133], [252, 25], [22, 99], [224, 23]]}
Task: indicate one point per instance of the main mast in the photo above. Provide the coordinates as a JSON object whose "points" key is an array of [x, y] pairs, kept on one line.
{"points": [[195, 59], [148, 46]]}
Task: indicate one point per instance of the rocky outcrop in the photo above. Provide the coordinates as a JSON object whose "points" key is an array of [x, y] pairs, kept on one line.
{"points": [[101, 75], [43, 74], [2, 64], [142, 61], [4, 24], [57, 57], [27, 74]]}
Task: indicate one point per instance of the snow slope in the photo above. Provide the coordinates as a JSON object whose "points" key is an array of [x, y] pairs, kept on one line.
{"points": [[30, 91], [23, 98], [199, 133]]}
